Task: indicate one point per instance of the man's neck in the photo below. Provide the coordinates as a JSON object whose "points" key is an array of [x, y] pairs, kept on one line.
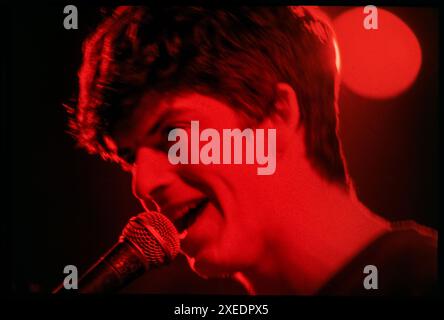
{"points": [[315, 239]]}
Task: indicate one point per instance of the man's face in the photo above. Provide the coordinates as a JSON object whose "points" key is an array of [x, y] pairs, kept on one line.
{"points": [[223, 210]]}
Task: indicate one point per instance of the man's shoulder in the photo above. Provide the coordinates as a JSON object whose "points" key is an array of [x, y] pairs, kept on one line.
{"points": [[403, 262]]}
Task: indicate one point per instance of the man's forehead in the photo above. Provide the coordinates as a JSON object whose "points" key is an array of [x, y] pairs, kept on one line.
{"points": [[155, 103], [154, 107]]}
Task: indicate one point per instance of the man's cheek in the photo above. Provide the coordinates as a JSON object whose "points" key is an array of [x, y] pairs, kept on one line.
{"points": [[229, 147]]}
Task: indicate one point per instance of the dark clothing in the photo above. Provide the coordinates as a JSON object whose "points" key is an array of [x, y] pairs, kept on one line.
{"points": [[406, 262]]}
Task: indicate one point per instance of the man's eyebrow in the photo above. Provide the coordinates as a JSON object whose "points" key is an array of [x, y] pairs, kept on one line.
{"points": [[159, 121], [171, 110]]}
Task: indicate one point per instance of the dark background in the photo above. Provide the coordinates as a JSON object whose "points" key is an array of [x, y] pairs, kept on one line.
{"points": [[68, 207]]}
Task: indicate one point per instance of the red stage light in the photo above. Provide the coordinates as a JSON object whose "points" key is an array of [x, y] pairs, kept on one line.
{"points": [[379, 63]]}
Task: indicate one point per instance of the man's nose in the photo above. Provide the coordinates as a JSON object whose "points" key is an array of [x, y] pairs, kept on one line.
{"points": [[151, 174]]}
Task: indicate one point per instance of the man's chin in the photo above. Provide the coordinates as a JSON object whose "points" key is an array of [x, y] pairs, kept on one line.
{"points": [[206, 269]]}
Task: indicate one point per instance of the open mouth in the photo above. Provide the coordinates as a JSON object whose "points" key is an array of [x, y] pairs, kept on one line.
{"points": [[191, 214]]}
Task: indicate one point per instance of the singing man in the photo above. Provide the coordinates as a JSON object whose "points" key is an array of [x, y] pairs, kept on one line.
{"points": [[301, 230]]}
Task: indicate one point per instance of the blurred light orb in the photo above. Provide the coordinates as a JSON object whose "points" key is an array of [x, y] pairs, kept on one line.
{"points": [[377, 63]]}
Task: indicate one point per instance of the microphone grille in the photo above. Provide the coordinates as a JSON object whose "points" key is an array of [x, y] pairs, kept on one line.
{"points": [[154, 235]]}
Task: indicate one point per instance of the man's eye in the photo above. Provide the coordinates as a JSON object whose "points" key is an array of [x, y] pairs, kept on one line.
{"points": [[163, 142], [166, 131], [178, 125]]}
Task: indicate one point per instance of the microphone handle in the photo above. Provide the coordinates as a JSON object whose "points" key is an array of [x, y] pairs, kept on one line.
{"points": [[117, 268]]}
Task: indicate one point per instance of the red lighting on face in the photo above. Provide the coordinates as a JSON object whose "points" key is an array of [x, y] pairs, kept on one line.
{"points": [[379, 63]]}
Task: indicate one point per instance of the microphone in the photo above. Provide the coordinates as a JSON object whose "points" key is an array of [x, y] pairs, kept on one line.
{"points": [[149, 240]]}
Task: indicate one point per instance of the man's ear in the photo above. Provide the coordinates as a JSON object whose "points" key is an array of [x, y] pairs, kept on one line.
{"points": [[285, 119], [286, 106]]}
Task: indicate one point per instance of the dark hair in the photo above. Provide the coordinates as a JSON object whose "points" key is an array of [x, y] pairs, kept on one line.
{"points": [[238, 54]]}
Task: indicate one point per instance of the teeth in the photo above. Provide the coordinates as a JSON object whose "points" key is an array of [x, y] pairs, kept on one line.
{"points": [[182, 210], [183, 234], [179, 212], [179, 215], [193, 205]]}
